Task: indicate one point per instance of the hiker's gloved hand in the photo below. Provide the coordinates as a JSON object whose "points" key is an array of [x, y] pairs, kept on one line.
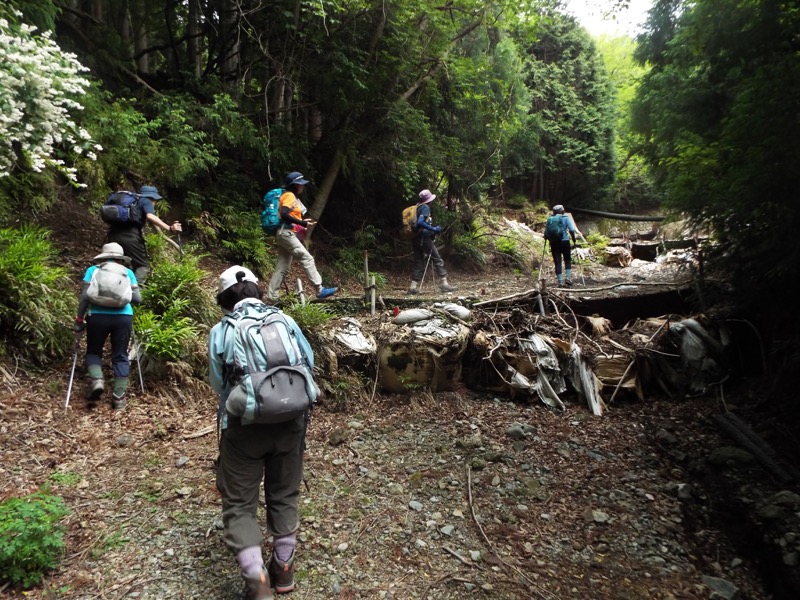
{"points": [[437, 229], [80, 324]]}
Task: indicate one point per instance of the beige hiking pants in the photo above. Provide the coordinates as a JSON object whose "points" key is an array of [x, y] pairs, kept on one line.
{"points": [[289, 248]]}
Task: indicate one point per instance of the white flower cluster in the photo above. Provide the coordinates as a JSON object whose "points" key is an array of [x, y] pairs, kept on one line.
{"points": [[39, 85]]}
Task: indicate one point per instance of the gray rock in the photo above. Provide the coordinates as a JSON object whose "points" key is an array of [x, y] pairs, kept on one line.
{"points": [[515, 432], [124, 440], [662, 435], [721, 588]]}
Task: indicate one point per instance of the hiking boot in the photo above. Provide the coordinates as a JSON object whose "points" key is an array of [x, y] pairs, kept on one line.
{"points": [[568, 283], [326, 292], [413, 288], [95, 390], [118, 402], [282, 574], [446, 287], [258, 587]]}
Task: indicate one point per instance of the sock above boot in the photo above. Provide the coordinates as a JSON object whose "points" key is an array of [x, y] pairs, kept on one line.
{"points": [[250, 560], [120, 386], [283, 546]]}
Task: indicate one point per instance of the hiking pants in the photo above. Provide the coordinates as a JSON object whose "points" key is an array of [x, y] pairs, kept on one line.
{"points": [[289, 247], [132, 241], [424, 246], [252, 453], [561, 250], [119, 328]]}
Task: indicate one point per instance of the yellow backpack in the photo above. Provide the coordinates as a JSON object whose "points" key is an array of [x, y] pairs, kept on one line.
{"points": [[409, 222]]}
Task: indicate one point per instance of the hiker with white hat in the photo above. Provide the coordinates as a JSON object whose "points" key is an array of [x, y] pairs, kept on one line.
{"points": [[130, 235], [424, 247], [104, 311], [258, 452]]}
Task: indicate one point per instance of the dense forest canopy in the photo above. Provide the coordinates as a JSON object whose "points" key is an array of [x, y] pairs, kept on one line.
{"points": [[493, 105]]}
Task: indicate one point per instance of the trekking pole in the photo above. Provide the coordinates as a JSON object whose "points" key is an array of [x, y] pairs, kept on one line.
{"points": [[180, 244], [137, 349], [541, 262], [72, 371], [576, 258], [426, 269]]}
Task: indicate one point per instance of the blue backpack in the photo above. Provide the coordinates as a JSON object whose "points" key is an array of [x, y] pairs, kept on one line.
{"points": [[122, 207], [271, 380], [271, 215], [555, 230]]}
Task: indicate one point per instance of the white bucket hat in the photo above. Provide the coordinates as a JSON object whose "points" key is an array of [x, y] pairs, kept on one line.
{"points": [[230, 277], [112, 251]]}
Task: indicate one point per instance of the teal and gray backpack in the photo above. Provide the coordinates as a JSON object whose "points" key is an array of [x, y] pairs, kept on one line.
{"points": [[271, 215], [555, 229], [271, 380]]}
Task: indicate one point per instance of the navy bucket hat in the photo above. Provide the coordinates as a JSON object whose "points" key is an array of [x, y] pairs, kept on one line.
{"points": [[149, 191]]}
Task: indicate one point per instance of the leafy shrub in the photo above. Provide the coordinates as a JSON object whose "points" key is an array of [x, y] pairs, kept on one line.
{"points": [[309, 316], [467, 251], [350, 260], [36, 298], [171, 282], [31, 536], [25, 191], [516, 201], [597, 241], [166, 336], [175, 306], [241, 235], [515, 250]]}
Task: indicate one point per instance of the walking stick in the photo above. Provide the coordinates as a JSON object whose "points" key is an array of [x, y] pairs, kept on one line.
{"points": [[72, 372], [180, 244], [426, 266], [137, 349], [541, 262], [580, 264]]}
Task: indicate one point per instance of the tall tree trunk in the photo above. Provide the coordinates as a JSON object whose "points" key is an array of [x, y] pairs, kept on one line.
{"points": [[229, 24], [326, 185], [193, 43]]}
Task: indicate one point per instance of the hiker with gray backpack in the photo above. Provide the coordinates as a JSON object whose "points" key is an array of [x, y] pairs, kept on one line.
{"points": [[261, 366], [557, 230], [104, 311]]}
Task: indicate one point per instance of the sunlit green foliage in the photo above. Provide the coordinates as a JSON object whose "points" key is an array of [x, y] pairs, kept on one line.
{"points": [[31, 537], [37, 302], [181, 280], [309, 316], [633, 187], [719, 112]]}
